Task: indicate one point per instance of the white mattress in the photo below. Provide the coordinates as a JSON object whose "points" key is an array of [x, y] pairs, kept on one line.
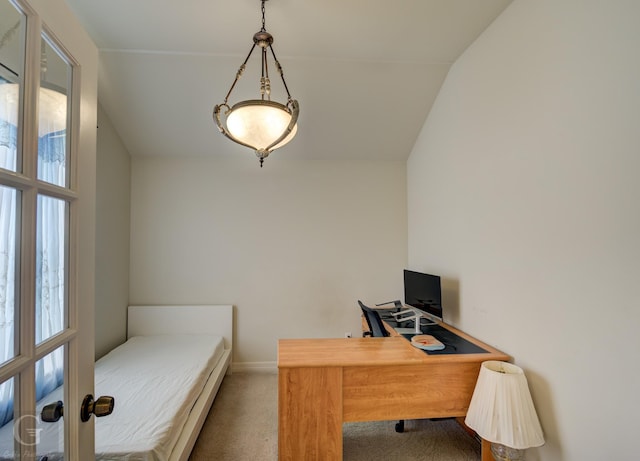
{"points": [[155, 380]]}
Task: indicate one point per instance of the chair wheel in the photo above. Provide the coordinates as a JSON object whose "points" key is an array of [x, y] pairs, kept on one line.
{"points": [[400, 426]]}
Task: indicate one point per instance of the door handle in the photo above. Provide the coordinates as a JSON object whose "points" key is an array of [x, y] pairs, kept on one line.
{"points": [[101, 407], [52, 412]]}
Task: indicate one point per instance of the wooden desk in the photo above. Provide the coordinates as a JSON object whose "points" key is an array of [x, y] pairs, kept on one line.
{"points": [[325, 382]]}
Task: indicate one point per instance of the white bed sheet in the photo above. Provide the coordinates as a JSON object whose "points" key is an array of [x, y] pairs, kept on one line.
{"points": [[155, 380], [161, 378]]}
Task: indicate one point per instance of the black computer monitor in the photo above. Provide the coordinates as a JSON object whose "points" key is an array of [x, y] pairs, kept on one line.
{"points": [[423, 292]]}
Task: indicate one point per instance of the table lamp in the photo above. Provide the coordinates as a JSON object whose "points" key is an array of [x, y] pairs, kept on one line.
{"points": [[502, 412]]}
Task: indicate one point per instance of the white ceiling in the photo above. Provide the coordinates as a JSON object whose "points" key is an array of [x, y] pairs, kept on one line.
{"points": [[364, 72]]}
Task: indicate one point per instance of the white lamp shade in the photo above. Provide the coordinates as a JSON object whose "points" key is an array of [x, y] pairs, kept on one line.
{"points": [[501, 408], [52, 108], [259, 125]]}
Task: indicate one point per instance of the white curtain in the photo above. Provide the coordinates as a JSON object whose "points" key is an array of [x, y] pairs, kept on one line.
{"points": [[50, 261]]}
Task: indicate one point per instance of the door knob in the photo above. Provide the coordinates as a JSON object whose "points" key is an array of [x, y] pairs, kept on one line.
{"points": [[101, 407], [52, 412]]}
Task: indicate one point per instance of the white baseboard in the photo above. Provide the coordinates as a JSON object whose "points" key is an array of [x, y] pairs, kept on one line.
{"points": [[254, 367]]}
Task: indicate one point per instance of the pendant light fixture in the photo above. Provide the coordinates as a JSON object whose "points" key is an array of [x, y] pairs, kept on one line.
{"points": [[260, 124]]}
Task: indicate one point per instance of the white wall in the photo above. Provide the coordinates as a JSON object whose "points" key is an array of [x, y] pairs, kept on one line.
{"points": [[113, 184], [292, 245], [523, 193]]}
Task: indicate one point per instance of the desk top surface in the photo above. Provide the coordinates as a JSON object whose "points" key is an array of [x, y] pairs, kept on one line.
{"points": [[393, 350]]}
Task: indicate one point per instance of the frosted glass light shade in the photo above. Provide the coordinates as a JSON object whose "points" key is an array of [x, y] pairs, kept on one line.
{"points": [[260, 123], [52, 108], [52, 112], [501, 409]]}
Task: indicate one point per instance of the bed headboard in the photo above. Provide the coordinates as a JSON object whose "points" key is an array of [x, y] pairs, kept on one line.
{"points": [[214, 319]]}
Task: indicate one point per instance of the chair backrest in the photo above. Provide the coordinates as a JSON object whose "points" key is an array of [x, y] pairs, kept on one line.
{"points": [[374, 321]]}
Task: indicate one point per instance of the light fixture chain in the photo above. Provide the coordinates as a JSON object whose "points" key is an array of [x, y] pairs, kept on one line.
{"points": [[263, 21]]}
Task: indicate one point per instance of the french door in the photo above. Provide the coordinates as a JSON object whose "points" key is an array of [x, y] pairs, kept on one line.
{"points": [[48, 80]]}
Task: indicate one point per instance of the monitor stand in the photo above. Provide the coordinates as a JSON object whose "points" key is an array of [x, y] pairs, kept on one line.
{"points": [[414, 314]]}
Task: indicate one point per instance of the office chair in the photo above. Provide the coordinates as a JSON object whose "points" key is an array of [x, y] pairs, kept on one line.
{"points": [[377, 329], [374, 321]]}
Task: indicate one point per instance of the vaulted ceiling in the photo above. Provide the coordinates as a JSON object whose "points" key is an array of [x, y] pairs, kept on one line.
{"points": [[365, 73]]}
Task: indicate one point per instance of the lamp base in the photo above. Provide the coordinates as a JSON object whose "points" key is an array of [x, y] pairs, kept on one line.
{"points": [[503, 453]]}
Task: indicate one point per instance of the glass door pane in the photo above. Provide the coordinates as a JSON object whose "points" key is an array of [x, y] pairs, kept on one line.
{"points": [[49, 426], [12, 34], [6, 420], [53, 115], [8, 268], [51, 260]]}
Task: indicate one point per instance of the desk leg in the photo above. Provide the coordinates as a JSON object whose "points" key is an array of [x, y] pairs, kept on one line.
{"points": [[310, 414]]}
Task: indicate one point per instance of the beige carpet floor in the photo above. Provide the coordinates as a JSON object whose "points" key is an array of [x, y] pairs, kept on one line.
{"points": [[243, 425]]}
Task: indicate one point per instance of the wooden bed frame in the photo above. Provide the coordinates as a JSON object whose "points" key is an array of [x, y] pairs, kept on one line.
{"points": [[205, 319]]}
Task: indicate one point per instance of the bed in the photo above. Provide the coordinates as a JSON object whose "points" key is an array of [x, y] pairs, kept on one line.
{"points": [[164, 379]]}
